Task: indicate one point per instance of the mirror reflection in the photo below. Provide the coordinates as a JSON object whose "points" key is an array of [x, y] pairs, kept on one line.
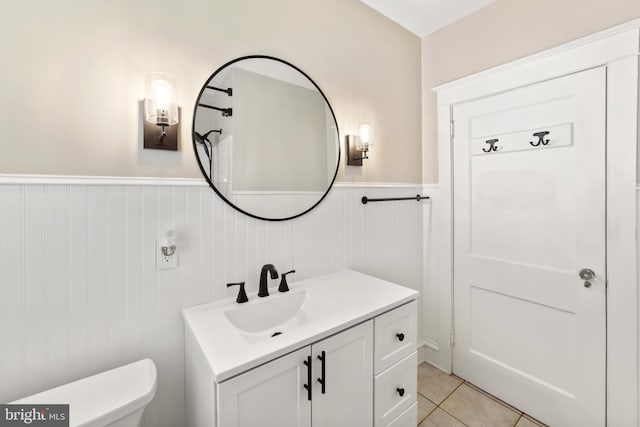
{"points": [[266, 138]]}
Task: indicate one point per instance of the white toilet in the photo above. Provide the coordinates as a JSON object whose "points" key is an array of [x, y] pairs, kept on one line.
{"points": [[115, 398]]}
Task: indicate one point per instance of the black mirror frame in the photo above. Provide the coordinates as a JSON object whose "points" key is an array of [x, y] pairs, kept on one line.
{"points": [[195, 145]]}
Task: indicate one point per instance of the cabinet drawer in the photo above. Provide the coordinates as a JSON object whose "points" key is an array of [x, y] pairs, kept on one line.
{"points": [[408, 418], [395, 336], [388, 387]]}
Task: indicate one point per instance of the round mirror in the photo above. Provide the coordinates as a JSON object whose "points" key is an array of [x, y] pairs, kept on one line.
{"points": [[266, 138]]}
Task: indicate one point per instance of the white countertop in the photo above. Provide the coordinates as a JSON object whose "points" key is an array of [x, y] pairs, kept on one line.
{"points": [[334, 302]]}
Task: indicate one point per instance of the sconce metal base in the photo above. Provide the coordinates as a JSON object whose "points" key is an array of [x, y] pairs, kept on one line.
{"points": [[152, 139], [354, 156]]}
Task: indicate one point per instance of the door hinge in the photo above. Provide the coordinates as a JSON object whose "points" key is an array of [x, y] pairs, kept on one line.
{"points": [[451, 129], [452, 338]]}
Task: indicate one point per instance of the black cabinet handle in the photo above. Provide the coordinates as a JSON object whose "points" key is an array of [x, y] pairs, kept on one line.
{"points": [[323, 380], [400, 337], [400, 391], [308, 384]]}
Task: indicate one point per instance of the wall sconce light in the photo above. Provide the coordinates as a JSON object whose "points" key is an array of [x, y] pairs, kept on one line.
{"points": [[166, 250], [160, 113], [358, 146]]}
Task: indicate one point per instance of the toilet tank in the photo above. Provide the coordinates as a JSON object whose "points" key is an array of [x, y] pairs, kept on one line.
{"points": [[110, 398]]}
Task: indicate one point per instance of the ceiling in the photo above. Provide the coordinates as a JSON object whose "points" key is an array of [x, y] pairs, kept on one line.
{"points": [[423, 17]]}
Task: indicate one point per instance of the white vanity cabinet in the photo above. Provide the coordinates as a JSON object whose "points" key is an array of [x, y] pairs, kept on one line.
{"points": [[347, 362], [274, 394]]}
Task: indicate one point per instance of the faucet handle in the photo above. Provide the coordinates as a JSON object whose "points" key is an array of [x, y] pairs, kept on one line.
{"points": [[283, 282], [242, 295]]}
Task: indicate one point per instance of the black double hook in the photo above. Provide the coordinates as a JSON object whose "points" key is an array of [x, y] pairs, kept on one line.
{"points": [[541, 140], [492, 145]]}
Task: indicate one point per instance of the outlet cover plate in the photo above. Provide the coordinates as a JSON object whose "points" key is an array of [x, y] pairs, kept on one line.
{"points": [[164, 262]]}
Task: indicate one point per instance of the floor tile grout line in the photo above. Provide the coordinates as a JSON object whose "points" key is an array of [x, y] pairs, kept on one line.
{"points": [[452, 416], [435, 406], [449, 395], [443, 400], [447, 412], [518, 420], [427, 398]]}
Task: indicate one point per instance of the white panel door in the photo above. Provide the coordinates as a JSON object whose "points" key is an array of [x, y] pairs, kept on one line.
{"points": [[528, 216], [347, 398], [271, 395]]}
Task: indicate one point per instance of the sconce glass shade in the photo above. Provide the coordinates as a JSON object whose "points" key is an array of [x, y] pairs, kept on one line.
{"points": [[160, 107], [365, 136]]}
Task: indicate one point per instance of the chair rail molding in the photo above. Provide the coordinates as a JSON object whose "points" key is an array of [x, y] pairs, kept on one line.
{"points": [[99, 180], [163, 181]]}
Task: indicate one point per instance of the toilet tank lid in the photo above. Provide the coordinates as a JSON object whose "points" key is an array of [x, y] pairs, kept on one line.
{"points": [[105, 397]]}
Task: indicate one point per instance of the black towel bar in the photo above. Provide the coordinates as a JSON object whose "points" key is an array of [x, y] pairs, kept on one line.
{"points": [[417, 198]]}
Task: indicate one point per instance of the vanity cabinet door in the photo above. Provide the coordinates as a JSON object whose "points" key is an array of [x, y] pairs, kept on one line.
{"points": [[347, 399], [271, 395]]}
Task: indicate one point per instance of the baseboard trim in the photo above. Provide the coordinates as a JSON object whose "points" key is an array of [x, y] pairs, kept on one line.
{"points": [[425, 346], [431, 344]]}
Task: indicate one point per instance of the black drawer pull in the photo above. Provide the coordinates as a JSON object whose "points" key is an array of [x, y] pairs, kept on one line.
{"points": [[400, 391], [308, 385], [400, 337], [323, 380]]}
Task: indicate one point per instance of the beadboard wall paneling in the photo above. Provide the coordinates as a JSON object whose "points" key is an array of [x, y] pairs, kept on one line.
{"points": [[80, 293]]}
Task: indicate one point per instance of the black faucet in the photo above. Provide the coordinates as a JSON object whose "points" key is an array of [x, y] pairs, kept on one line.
{"points": [[263, 291]]}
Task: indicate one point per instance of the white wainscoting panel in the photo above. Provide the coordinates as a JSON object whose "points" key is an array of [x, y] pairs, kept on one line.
{"points": [[79, 290]]}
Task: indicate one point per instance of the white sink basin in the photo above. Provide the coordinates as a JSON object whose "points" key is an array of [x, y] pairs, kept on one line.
{"points": [[237, 337], [267, 317]]}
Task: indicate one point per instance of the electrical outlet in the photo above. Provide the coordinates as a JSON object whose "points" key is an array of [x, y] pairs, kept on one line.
{"points": [[164, 262]]}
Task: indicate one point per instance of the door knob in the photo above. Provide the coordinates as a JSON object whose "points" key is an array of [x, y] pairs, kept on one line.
{"points": [[587, 275]]}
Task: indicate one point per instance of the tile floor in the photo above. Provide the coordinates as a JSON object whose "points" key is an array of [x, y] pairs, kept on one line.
{"points": [[447, 401]]}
